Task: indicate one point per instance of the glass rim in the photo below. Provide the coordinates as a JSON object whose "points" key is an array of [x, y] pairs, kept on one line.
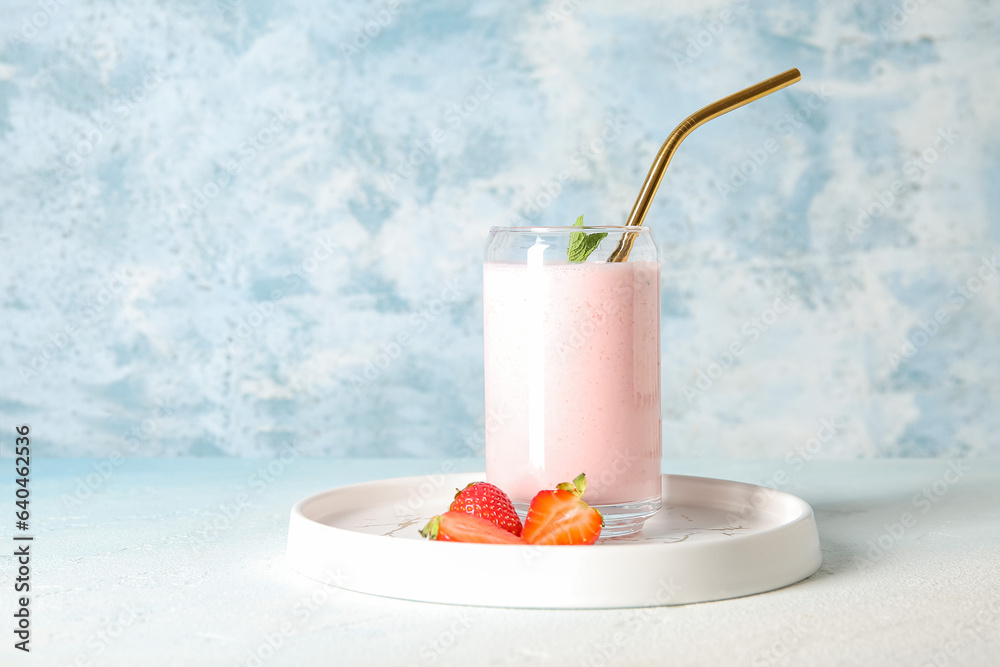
{"points": [[565, 229]]}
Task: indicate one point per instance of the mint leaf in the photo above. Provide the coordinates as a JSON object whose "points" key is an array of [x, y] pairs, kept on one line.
{"points": [[582, 244]]}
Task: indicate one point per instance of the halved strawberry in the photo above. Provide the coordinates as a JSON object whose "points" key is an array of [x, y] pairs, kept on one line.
{"points": [[488, 502], [462, 527], [560, 517]]}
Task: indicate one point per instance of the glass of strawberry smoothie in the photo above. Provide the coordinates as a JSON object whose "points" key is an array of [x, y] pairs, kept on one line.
{"points": [[572, 349]]}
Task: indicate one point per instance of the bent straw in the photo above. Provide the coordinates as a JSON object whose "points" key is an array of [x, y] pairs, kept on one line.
{"points": [[698, 118]]}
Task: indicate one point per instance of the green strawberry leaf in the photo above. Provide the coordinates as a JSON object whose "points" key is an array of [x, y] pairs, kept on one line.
{"points": [[582, 244]]}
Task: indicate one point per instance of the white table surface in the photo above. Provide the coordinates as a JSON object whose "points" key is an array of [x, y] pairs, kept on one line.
{"points": [[150, 570]]}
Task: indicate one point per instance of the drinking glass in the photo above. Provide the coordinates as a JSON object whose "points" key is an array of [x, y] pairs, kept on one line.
{"points": [[572, 352]]}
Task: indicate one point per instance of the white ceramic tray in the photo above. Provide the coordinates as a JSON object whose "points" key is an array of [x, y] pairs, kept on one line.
{"points": [[712, 540]]}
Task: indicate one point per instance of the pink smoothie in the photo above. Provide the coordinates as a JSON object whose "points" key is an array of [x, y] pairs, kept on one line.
{"points": [[573, 378]]}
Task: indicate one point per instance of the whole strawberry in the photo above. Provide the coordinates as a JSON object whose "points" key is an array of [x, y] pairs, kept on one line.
{"points": [[488, 502]]}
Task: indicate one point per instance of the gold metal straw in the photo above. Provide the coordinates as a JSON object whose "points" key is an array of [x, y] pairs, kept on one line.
{"points": [[700, 117]]}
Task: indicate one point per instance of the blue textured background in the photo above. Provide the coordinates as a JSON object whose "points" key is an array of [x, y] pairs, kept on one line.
{"points": [[216, 216]]}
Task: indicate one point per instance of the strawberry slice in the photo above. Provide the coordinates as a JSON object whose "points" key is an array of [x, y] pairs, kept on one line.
{"points": [[461, 527], [561, 517], [489, 502]]}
